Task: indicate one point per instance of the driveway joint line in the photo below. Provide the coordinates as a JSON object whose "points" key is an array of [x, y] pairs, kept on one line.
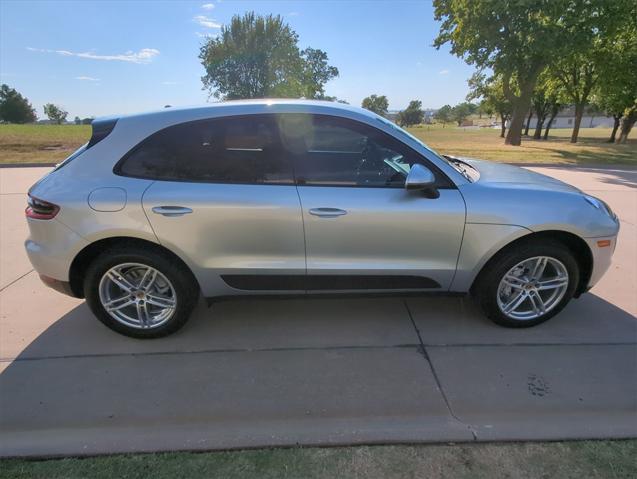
{"points": [[16, 280], [213, 351], [434, 373], [419, 346]]}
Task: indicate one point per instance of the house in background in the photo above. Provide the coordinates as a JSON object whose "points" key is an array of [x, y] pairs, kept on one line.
{"points": [[566, 119]]}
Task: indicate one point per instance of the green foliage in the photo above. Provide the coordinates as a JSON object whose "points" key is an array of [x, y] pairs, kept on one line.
{"points": [[461, 112], [316, 72], [14, 108], [443, 114], [412, 115], [257, 56], [517, 40], [55, 113], [376, 103]]}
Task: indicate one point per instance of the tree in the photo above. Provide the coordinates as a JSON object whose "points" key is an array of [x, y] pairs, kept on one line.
{"points": [[517, 40], [55, 113], [87, 121], [616, 92], [461, 112], [491, 91], [14, 108], [257, 56], [578, 74], [77, 120], [376, 103], [444, 114], [316, 72], [412, 115]]}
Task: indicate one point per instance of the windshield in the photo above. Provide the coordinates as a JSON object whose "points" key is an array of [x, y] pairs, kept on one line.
{"points": [[403, 132], [465, 169]]}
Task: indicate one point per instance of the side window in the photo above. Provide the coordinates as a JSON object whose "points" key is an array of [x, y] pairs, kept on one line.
{"points": [[340, 152], [242, 149]]}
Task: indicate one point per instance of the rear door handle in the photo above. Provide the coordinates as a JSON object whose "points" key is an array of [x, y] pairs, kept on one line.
{"points": [[327, 212], [171, 210]]}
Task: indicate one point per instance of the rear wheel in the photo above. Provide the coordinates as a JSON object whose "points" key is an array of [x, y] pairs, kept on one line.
{"points": [[528, 284], [143, 294]]}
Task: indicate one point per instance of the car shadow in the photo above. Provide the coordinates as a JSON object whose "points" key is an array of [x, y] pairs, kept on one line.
{"points": [[243, 356]]}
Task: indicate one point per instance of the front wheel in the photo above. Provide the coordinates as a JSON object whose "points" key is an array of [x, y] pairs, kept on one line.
{"points": [[142, 294], [528, 284]]}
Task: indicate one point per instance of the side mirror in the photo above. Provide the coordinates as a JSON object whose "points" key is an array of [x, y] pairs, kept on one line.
{"points": [[421, 178]]}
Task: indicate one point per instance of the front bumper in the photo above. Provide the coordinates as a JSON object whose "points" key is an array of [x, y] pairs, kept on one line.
{"points": [[602, 250]]}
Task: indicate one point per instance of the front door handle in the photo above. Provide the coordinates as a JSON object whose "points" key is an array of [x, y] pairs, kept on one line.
{"points": [[171, 210], [327, 212]]}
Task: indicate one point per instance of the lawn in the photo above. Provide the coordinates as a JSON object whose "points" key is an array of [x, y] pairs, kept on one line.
{"points": [[486, 143], [589, 459], [53, 143]]}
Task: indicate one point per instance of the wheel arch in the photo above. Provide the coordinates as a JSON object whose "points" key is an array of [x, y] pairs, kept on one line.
{"points": [[574, 243], [84, 258]]}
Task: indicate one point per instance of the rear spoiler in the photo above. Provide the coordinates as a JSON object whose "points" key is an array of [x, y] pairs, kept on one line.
{"points": [[101, 129]]}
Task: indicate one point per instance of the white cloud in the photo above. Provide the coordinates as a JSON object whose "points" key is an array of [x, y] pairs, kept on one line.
{"points": [[443, 72], [169, 83], [293, 14], [145, 55], [208, 6], [85, 78], [207, 22]]}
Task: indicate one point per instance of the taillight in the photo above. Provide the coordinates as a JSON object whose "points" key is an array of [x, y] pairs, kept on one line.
{"points": [[40, 209]]}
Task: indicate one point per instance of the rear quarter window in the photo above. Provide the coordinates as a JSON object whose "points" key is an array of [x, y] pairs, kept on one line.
{"points": [[244, 150]]}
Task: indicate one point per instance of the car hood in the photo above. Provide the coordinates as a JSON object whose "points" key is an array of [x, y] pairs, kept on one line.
{"points": [[495, 173]]}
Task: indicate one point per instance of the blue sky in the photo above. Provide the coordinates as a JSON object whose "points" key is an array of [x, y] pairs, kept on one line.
{"points": [[110, 57]]}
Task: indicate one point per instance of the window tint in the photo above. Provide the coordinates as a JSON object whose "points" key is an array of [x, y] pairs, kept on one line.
{"points": [[226, 150], [340, 152]]}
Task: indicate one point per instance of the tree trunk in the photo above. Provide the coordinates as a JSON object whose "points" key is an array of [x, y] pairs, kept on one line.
{"points": [[548, 125], [627, 124], [503, 126], [528, 122], [613, 134], [579, 112], [538, 128], [514, 136]]}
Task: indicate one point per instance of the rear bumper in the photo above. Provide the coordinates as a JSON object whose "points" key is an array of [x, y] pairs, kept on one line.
{"points": [[51, 248], [63, 287]]}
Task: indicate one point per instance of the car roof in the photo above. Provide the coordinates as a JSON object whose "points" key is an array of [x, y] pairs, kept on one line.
{"points": [[234, 107]]}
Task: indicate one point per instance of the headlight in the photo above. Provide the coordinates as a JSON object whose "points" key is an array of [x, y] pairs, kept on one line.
{"points": [[600, 205]]}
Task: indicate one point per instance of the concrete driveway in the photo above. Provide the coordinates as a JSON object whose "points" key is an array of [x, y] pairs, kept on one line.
{"points": [[248, 372]]}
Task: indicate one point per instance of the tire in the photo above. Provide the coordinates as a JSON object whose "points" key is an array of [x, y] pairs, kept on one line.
{"points": [[494, 293], [164, 301]]}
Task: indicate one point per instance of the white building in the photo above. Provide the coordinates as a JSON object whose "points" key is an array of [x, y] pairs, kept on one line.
{"points": [[566, 119]]}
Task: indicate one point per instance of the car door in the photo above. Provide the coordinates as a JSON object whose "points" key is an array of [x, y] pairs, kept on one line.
{"points": [[363, 230], [225, 201]]}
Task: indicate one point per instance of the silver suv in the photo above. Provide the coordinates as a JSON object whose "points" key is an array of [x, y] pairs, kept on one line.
{"points": [[302, 197]]}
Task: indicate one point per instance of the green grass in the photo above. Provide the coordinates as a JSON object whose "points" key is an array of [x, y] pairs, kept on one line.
{"points": [[589, 459], [486, 143], [53, 143], [40, 143]]}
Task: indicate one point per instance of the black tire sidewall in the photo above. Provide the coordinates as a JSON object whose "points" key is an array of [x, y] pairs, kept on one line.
{"points": [[186, 289], [489, 280]]}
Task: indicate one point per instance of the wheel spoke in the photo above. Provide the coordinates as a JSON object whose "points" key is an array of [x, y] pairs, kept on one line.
{"points": [[142, 315], [118, 303], [148, 279], [514, 281], [538, 268], [514, 302], [552, 283], [537, 303], [121, 281], [160, 301]]}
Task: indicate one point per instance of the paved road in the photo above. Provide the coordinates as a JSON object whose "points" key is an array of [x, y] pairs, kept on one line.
{"points": [[323, 371]]}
